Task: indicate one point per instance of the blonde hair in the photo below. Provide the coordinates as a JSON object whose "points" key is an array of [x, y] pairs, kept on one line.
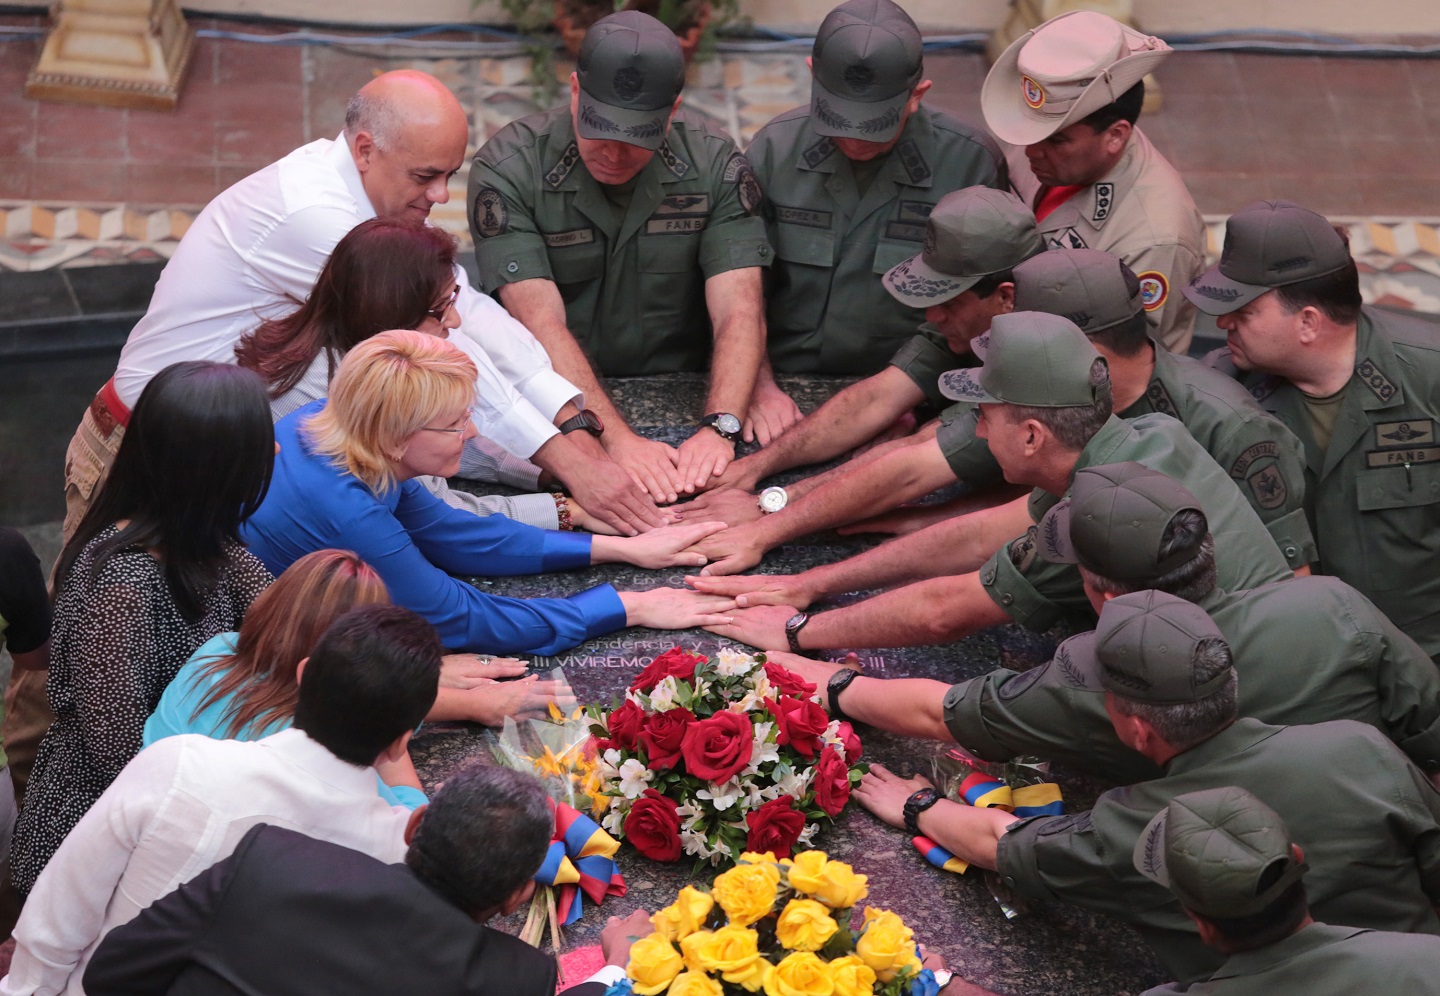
{"points": [[386, 390]]}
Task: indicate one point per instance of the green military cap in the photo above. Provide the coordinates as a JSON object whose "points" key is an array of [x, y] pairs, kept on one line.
{"points": [[1113, 524], [1268, 244], [1032, 359], [1146, 641], [1061, 72], [630, 71], [1223, 852], [1093, 289], [970, 234], [866, 61]]}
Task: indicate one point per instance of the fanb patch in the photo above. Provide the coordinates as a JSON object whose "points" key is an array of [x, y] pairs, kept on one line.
{"points": [[562, 169], [1374, 379], [906, 231], [1402, 458], [1268, 487], [1392, 435], [1154, 289], [1104, 203], [489, 214]]}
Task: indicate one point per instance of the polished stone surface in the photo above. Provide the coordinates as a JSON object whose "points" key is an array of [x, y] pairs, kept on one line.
{"points": [[1050, 949]]}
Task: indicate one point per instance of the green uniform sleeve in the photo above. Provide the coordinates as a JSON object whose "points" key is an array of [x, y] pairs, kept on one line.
{"points": [[508, 243], [923, 359], [967, 454], [1054, 711], [1267, 463], [1034, 592], [1408, 685], [735, 237]]}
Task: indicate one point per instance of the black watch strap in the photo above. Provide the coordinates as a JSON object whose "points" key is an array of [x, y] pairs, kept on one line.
{"points": [[839, 681], [917, 804], [586, 420], [793, 626]]}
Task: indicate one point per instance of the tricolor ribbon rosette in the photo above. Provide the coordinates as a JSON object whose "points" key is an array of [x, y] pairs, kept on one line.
{"points": [[580, 864]]}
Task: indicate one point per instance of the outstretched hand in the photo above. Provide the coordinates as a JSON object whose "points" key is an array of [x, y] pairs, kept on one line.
{"points": [[884, 793], [762, 628], [675, 608], [750, 590], [469, 670], [668, 546], [652, 465]]}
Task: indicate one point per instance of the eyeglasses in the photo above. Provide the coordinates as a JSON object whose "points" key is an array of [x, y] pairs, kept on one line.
{"points": [[464, 423], [438, 313]]}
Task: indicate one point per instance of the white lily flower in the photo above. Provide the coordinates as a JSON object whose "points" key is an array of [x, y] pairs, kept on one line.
{"points": [[794, 782], [722, 797], [730, 664], [634, 778], [808, 834], [662, 696], [613, 821]]}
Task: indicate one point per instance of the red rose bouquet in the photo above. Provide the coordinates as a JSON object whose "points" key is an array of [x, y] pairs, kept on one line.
{"points": [[713, 758]]}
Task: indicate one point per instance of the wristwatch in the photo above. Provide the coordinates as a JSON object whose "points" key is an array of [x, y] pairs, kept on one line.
{"points": [[839, 681], [793, 626], [724, 423], [773, 499], [917, 804], [586, 420]]}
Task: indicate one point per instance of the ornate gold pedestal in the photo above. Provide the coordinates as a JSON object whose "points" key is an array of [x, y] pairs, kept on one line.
{"points": [[119, 53]]}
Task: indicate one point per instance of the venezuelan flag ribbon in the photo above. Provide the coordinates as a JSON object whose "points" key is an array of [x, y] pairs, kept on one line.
{"points": [[580, 863], [987, 792]]}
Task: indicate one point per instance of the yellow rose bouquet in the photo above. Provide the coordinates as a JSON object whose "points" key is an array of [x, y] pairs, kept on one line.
{"points": [[781, 928]]}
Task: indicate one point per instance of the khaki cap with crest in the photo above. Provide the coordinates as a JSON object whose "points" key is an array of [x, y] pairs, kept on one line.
{"points": [[1221, 851], [1146, 643], [1033, 359], [970, 234], [1063, 71], [866, 60], [1113, 524], [1268, 244], [630, 71]]}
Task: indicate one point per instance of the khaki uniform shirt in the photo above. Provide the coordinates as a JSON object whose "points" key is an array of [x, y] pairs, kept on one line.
{"points": [[1367, 820], [1036, 593], [1307, 650], [1373, 497], [1322, 960], [1141, 212], [826, 308], [633, 280], [1260, 453]]}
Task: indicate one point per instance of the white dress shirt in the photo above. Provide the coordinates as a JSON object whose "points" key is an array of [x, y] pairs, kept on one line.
{"points": [[179, 807], [255, 252]]}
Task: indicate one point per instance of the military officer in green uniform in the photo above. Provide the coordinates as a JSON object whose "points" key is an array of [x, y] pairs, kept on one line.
{"points": [[1045, 411], [964, 278], [1307, 650], [1237, 872], [1367, 819], [1358, 385], [849, 181], [625, 234], [1104, 298]]}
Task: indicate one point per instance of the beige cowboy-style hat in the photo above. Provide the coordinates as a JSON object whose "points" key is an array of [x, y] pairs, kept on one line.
{"points": [[1064, 70]]}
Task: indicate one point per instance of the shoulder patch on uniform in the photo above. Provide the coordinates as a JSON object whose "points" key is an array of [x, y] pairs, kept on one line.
{"points": [[1416, 432], [739, 172], [1104, 201], [1239, 469], [817, 152], [1016, 684], [1023, 550], [1069, 668], [1160, 400], [1268, 487], [672, 162], [1068, 239], [1375, 379], [1154, 289], [562, 168], [488, 214], [913, 160]]}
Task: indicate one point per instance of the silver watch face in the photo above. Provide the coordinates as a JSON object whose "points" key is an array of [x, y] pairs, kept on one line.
{"points": [[773, 499], [727, 423]]}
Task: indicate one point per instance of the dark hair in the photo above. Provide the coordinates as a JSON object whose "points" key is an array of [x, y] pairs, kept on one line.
{"points": [[1274, 923], [1183, 725], [372, 676], [483, 836], [1073, 426], [382, 275], [1192, 580], [1125, 107], [1336, 295], [991, 282], [194, 464], [256, 684]]}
